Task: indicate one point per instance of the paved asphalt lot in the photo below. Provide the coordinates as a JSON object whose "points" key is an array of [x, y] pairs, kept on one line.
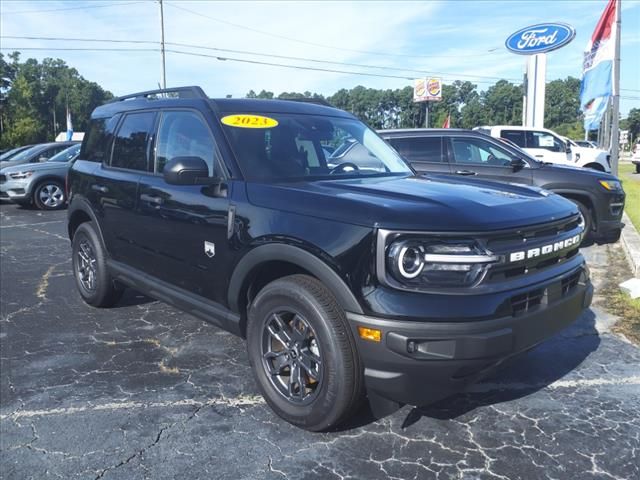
{"points": [[145, 391]]}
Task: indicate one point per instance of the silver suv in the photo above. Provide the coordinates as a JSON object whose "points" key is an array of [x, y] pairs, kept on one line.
{"points": [[40, 184]]}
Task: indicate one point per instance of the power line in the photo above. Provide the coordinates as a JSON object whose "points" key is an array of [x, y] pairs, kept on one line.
{"points": [[284, 57], [84, 49], [85, 7], [304, 42]]}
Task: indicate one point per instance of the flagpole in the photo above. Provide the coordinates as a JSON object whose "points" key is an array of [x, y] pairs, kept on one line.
{"points": [[162, 52], [615, 135]]}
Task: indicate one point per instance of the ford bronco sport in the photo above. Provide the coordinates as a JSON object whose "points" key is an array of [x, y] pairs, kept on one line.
{"points": [[345, 272]]}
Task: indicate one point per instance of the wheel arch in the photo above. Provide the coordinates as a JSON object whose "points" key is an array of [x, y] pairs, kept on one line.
{"points": [[594, 166], [583, 197], [269, 262], [80, 212]]}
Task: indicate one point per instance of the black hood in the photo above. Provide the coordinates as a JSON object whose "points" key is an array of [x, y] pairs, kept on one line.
{"points": [[415, 203]]}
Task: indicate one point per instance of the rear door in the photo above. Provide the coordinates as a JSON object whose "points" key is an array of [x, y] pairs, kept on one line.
{"points": [[425, 154], [547, 147], [477, 157], [183, 229], [115, 185]]}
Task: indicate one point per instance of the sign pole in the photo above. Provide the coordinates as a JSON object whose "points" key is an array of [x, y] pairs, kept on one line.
{"points": [[615, 110], [426, 114], [164, 72]]}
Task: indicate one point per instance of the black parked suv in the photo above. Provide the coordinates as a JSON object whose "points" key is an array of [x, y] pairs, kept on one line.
{"points": [[598, 195], [344, 274]]}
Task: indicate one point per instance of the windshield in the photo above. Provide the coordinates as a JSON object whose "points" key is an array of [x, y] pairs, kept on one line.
{"points": [[26, 154], [66, 155], [10, 153], [278, 147]]}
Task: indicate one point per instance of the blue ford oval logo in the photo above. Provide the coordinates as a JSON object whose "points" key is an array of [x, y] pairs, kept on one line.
{"points": [[540, 38]]}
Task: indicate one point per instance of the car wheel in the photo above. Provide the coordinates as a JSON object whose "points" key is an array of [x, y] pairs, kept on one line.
{"points": [[303, 354], [49, 195], [588, 221], [94, 283]]}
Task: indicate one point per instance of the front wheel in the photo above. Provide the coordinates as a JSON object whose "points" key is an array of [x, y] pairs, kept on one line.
{"points": [[94, 283], [303, 354], [49, 195], [588, 221]]}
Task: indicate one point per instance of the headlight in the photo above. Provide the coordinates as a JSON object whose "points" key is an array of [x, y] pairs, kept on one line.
{"points": [[19, 175], [430, 263], [611, 185]]}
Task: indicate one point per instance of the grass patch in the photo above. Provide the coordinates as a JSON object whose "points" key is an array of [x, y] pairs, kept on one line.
{"points": [[618, 302], [631, 184]]}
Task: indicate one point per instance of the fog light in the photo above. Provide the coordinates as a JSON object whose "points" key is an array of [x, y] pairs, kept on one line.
{"points": [[370, 334]]}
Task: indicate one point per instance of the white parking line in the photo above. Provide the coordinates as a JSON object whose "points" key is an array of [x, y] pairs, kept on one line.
{"points": [[583, 382], [242, 401], [31, 224], [253, 400]]}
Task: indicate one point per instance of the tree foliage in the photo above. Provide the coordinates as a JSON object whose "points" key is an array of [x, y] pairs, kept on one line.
{"points": [[33, 94]]}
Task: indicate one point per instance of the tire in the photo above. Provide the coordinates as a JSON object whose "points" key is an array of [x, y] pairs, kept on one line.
{"points": [[588, 221], [333, 377], [49, 195], [94, 283]]}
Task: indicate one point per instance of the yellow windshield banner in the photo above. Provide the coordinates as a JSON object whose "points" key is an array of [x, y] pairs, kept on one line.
{"points": [[249, 121]]}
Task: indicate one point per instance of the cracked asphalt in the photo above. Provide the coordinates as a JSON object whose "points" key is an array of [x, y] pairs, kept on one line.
{"points": [[145, 391]]}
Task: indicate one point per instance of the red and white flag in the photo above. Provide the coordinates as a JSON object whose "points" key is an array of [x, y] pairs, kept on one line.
{"points": [[447, 122]]}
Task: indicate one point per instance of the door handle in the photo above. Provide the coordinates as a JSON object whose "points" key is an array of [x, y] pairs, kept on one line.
{"points": [[152, 199], [539, 156], [99, 188], [465, 172]]}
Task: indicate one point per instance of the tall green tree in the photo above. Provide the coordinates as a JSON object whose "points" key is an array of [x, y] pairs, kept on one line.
{"points": [[35, 97]]}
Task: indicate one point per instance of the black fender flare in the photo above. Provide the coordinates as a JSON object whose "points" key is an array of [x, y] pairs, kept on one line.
{"points": [[296, 256], [81, 204], [563, 192]]}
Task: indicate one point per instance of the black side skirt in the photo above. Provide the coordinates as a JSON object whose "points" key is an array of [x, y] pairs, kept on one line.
{"points": [[188, 302]]}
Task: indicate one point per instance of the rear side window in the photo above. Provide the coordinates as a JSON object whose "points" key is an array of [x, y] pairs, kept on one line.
{"points": [[419, 149], [130, 146], [516, 136], [184, 134], [98, 139]]}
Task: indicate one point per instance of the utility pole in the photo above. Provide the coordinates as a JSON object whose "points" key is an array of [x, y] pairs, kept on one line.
{"points": [[164, 72], [615, 110]]}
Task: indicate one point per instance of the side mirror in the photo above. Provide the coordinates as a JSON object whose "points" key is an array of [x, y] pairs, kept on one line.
{"points": [[518, 164], [567, 148], [188, 171]]}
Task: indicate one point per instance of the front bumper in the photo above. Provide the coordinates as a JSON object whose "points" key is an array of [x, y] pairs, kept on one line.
{"points": [[420, 362], [15, 190]]}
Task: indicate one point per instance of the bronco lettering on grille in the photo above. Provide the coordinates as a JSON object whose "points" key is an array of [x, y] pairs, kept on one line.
{"points": [[544, 250]]}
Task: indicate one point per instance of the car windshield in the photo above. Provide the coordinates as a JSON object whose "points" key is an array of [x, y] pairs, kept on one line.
{"points": [[280, 147], [26, 154], [66, 155], [10, 153]]}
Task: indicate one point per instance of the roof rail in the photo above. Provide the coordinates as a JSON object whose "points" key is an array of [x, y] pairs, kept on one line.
{"points": [[317, 101], [182, 92]]}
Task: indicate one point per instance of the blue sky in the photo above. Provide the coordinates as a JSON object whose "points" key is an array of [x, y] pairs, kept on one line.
{"points": [[461, 39]]}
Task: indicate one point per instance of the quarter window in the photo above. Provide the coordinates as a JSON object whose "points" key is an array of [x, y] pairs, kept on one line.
{"points": [[130, 148], [479, 152], [95, 146], [184, 134], [419, 149], [516, 136]]}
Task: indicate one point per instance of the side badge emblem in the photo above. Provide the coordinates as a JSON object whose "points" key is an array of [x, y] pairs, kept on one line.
{"points": [[209, 249]]}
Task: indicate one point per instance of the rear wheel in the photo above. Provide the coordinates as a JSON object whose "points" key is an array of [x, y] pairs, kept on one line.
{"points": [[49, 195], [303, 354], [94, 283]]}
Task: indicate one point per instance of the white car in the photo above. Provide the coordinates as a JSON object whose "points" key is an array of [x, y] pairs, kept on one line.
{"points": [[548, 146]]}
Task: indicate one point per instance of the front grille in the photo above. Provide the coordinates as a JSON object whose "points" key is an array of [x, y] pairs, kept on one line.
{"points": [[527, 239]]}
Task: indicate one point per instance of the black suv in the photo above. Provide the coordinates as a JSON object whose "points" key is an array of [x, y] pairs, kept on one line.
{"points": [[343, 273], [598, 195]]}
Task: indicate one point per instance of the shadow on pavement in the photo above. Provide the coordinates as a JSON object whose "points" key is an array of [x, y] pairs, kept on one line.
{"points": [[132, 298], [521, 376]]}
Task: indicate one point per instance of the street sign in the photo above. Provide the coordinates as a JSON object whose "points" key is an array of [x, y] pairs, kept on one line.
{"points": [[427, 89], [540, 38]]}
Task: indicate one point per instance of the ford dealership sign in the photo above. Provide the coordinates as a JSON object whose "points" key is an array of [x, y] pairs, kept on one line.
{"points": [[540, 38]]}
